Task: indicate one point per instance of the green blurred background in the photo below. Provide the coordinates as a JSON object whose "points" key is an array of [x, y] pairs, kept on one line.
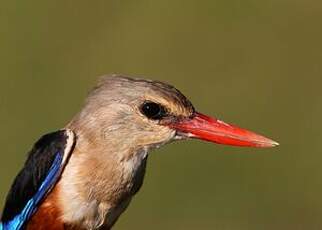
{"points": [[254, 63]]}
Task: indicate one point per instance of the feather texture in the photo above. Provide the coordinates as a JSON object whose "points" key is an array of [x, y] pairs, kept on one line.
{"points": [[41, 172]]}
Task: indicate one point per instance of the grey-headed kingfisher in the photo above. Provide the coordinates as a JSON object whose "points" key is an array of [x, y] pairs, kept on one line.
{"points": [[85, 175]]}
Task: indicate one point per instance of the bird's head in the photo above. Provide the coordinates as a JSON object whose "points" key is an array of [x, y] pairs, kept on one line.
{"points": [[135, 113]]}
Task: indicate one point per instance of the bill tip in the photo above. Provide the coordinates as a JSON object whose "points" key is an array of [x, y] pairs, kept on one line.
{"points": [[274, 144], [270, 144]]}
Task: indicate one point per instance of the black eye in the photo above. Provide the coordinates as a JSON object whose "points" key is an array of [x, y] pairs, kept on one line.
{"points": [[153, 110]]}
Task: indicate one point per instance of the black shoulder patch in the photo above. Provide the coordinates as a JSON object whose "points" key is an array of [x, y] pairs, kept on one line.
{"points": [[36, 167]]}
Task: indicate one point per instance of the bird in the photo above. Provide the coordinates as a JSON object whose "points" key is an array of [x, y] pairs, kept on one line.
{"points": [[85, 175]]}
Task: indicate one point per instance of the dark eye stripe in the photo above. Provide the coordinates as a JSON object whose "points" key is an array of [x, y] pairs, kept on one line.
{"points": [[153, 110]]}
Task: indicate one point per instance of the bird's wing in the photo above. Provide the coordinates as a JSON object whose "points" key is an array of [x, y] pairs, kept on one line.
{"points": [[39, 175]]}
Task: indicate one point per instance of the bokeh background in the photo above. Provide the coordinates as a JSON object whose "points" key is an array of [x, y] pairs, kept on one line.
{"points": [[254, 63]]}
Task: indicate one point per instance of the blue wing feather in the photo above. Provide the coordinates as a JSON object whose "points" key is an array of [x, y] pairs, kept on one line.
{"points": [[19, 220]]}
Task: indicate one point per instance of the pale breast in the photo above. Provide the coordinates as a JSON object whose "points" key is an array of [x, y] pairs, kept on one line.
{"points": [[95, 198]]}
